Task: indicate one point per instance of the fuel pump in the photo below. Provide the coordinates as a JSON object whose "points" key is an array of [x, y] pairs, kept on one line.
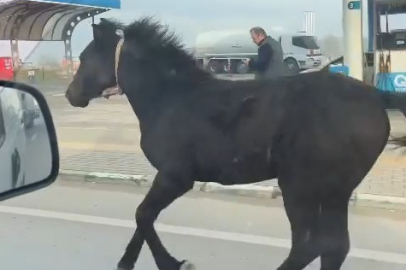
{"points": [[389, 47]]}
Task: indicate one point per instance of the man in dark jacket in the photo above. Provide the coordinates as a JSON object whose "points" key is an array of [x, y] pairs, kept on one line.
{"points": [[269, 63]]}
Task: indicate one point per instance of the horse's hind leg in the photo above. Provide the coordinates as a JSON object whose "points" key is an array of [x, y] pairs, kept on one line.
{"points": [[302, 208], [165, 189], [334, 236]]}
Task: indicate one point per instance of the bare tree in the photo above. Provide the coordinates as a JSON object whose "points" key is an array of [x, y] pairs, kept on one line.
{"points": [[47, 61], [332, 46]]}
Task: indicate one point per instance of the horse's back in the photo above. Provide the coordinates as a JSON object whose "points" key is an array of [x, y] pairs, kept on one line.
{"points": [[319, 118]]}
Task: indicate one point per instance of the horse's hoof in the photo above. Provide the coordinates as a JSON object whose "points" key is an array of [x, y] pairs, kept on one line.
{"points": [[120, 268], [186, 265]]}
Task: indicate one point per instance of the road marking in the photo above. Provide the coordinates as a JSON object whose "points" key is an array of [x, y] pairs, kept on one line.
{"points": [[100, 146], [392, 159], [375, 255], [97, 128], [54, 93]]}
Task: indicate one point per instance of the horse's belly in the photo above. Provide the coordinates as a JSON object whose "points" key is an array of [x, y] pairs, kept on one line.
{"points": [[250, 168]]}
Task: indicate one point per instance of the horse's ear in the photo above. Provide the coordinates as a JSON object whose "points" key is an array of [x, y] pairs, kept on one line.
{"points": [[97, 32]]}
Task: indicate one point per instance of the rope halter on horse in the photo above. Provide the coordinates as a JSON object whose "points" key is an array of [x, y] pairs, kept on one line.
{"points": [[116, 90]]}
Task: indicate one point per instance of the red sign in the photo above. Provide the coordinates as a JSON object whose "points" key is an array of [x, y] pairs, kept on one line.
{"points": [[6, 68], [75, 64]]}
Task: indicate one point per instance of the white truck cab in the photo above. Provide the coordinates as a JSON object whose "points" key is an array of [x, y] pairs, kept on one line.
{"points": [[13, 140], [301, 52]]}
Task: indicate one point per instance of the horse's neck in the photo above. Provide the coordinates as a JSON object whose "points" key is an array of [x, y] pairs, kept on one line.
{"points": [[146, 106], [148, 103]]}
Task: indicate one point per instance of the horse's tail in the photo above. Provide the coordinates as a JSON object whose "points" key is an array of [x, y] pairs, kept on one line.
{"points": [[335, 61], [395, 100]]}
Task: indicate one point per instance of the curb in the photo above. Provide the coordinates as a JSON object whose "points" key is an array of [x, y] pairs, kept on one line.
{"points": [[249, 190]]}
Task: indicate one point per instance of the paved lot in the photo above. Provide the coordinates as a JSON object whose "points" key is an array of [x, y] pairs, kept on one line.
{"points": [[105, 138], [72, 225]]}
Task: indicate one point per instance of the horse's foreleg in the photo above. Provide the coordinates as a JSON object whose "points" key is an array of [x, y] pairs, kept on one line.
{"points": [[131, 252], [166, 188]]}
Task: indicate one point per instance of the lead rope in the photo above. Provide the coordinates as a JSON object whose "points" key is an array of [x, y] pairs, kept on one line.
{"points": [[118, 51]]}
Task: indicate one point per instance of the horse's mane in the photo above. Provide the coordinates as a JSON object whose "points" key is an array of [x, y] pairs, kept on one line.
{"points": [[165, 44], [153, 33], [112, 24]]}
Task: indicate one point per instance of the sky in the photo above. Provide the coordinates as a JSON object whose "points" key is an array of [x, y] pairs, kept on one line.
{"points": [[191, 17]]}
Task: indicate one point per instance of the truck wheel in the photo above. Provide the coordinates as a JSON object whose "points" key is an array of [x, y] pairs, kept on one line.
{"points": [[291, 66], [214, 67], [15, 168], [241, 67], [225, 68]]}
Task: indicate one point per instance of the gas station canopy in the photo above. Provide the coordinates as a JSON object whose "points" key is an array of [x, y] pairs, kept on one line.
{"points": [[391, 7], [47, 20]]}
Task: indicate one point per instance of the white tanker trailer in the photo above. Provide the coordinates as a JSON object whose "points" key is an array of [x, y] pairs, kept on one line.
{"points": [[224, 51]]}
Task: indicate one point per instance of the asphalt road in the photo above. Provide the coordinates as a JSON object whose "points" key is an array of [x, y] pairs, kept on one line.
{"points": [[102, 125], [76, 225]]}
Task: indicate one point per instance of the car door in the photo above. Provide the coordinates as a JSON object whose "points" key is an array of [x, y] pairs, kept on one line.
{"points": [[15, 141], [5, 164]]}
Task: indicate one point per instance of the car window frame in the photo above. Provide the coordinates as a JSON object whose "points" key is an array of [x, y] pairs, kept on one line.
{"points": [[51, 130]]}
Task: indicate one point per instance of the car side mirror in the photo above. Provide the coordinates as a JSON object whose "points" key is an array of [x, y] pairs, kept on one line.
{"points": [[29, 155]]}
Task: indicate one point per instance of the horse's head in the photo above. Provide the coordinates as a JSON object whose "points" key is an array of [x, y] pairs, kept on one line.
{"points": [[153, 56], [96, 72]]}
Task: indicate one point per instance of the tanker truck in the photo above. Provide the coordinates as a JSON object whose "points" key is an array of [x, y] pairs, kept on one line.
{"points": [[225, 51]]}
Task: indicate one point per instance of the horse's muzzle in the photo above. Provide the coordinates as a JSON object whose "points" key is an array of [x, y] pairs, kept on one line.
{"points": [[76, 101]]}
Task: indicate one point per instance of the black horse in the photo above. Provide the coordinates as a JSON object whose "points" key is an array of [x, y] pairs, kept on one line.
{"points": [[319, 134]]}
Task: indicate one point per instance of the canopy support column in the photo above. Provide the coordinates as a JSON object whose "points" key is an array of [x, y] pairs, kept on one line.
{"points": [[15, 55], [67, 36], [14, 42], [69, 58], [353, 43]]}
